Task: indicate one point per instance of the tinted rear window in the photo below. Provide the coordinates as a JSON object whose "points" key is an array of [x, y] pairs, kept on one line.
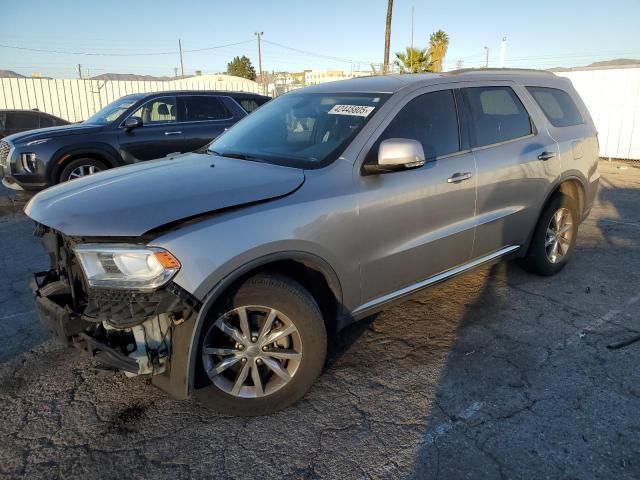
{"points": [[22, 120], [430, 119], [497, 115], [204, 108], [557, 106], [250, 104]]}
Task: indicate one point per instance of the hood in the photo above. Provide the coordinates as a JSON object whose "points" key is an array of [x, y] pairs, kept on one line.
{"points": [[50, 132], [130, 201]]}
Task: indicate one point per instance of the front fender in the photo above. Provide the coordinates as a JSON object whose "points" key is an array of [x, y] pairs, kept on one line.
{"points": [[101, 149]]}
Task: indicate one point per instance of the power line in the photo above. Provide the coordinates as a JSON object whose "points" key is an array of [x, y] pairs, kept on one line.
{"points": [[313, 54], [105, 54]]}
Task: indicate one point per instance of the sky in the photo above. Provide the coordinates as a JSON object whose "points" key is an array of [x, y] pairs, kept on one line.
{"points": [[344, 34]]}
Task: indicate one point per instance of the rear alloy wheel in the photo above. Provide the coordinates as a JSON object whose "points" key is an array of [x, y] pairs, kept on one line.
{"points": [[81, 167], [554, 238], [264, 350]]}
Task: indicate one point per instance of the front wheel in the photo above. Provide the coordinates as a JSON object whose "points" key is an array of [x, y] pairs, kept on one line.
{"points": [[554, 238], [81, 167], [263, 350]]}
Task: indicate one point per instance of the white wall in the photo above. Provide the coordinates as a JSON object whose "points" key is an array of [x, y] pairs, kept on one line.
{"points": [[75, 100], [613, 99]]}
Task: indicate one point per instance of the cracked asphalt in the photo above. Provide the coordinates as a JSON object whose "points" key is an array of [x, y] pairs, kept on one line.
{"points": [[495, 374]]}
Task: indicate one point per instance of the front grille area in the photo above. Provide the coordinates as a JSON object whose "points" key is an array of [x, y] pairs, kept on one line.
{"points": [[4, 153]]}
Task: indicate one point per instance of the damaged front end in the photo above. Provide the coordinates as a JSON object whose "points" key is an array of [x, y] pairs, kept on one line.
{"points": [[127, 328]]}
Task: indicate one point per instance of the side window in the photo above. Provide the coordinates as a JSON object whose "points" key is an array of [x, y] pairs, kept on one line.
{"points": [[557, 106], [432, 120], [22, 121], [497, 115], [203, 108], [250, 104], [46, 121], [158, 110]]}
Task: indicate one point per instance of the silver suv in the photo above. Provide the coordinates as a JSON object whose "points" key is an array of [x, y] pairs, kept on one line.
{"points": [[221, 273]]}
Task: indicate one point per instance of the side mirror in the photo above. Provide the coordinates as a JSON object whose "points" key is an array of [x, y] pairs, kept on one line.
{"points": [[132, 122], [397, 154]]}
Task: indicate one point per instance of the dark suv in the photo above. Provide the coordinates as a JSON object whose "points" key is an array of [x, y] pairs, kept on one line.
{"points": [[15, 121], [132, 129]]}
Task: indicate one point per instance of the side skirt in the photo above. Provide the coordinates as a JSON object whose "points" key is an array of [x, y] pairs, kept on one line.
{"points": [[377, 304]]}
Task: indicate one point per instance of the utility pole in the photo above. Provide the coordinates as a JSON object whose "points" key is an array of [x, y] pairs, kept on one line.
{"points": [[181, 64], [459, 64], [387, 37], [412, 24], [486, 61], [175, 72], [80, 71], [258, 36]]}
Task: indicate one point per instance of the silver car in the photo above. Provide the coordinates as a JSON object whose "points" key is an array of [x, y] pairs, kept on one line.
{"points": [[222, 273]]}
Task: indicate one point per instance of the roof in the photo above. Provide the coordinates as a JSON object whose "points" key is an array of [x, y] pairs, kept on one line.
{"points": [[395, 83], [199, 92]]}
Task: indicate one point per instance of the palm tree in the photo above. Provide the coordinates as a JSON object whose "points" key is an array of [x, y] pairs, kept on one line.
{"points": [[414, 60], [438, 44]]}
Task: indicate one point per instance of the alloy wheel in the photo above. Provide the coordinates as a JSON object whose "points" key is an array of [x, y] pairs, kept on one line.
{"points": [[559, 235], [83, 171], [252, 351]]}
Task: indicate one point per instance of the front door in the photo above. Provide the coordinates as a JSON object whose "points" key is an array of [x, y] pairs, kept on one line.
{"points": [[418, 223], [159, 135]]}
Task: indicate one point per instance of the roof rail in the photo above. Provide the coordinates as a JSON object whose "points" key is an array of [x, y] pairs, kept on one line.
{"points": [[499, 70]]}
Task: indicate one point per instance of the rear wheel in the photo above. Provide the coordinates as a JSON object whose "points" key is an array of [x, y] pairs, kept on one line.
{"points": [[81, 167], [263, 350], [555, 237]]}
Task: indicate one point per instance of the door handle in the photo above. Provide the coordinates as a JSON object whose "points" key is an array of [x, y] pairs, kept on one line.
{"points": [[544, 156], [172, 133], [459, 177]]}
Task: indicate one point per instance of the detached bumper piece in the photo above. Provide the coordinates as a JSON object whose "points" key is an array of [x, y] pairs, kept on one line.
{"points": [[106, 355]]}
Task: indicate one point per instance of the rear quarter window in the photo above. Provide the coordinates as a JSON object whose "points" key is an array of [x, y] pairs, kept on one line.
{"points": [[251, 104], [557, 106]]}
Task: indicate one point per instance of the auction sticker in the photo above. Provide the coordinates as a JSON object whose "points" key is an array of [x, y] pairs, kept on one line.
{"points": [[356, 110]]}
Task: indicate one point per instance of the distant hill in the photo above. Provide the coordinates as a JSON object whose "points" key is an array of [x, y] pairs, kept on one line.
{"points": [[10, 74], [616, 62], [132, 76]]}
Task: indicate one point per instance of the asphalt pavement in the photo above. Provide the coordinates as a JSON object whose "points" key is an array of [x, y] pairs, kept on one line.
{"points": [[495, 374]]}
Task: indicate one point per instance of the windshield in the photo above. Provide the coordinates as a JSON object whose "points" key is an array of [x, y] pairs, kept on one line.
{"points": [[112, 111], [305, 130]]}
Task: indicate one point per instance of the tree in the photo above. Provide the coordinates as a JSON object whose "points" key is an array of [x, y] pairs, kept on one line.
{"points": [[241, 67], [414, 60], [438, 44]]}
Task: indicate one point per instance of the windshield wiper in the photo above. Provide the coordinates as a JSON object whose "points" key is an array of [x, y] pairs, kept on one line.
{"points": [[241, 156]]}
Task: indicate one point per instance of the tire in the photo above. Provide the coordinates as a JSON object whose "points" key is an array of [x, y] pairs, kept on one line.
{"points": [[259, 296], [70, 169], [540, 258]]}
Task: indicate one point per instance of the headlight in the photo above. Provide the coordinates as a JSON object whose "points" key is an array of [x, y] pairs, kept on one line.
{"points": [[126, 266], [29, 162]]}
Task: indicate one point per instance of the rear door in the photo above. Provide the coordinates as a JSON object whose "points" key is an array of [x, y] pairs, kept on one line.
{"points": [[517, 162], [204, 117], [420, 222], [159, 135], [570, 125]]}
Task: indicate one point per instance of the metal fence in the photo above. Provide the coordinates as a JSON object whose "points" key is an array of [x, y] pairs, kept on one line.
{"points": [[76, 100], [612, 96]]}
